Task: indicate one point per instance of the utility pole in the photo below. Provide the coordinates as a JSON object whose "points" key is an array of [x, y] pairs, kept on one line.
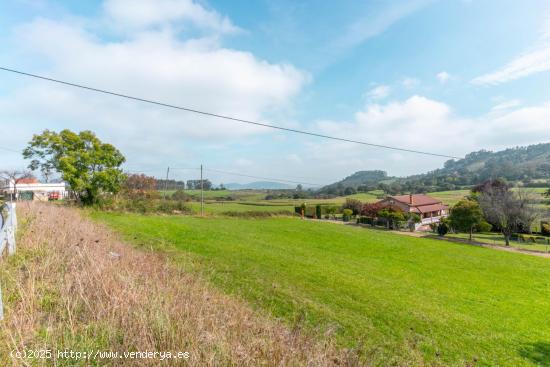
{"points": [[166, 182], [202, 195]]}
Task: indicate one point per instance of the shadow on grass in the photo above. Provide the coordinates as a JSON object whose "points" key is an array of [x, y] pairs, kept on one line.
{"points": [[538, 353]]}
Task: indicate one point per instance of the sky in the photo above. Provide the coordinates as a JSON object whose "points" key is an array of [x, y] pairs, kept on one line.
{"points": [[448, 77]]}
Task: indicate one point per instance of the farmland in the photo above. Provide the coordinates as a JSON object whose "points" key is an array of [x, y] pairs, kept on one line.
{"points": [[395, 299], [226, 201]]}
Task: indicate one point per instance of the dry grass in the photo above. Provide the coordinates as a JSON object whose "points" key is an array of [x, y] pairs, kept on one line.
{"points": [[73, 285]]}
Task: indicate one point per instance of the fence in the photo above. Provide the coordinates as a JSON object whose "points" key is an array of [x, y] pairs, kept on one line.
{"points": [[7, 237]]}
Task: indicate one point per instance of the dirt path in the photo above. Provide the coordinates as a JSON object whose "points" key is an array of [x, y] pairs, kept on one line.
{"points": [[74, 285]]}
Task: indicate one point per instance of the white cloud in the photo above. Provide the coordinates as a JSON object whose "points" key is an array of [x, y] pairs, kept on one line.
{"points": [[506, 105], [420, 123], [198, 73], [536, 60], [443, 77], [153, 13], [532, 62], [379, 92]]}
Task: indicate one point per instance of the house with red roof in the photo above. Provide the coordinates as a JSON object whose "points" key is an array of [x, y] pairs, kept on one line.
{"points": [[429, 209]]}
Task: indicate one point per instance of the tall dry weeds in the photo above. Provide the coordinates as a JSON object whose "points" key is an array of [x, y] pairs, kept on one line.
{"points": [[73, 285]]}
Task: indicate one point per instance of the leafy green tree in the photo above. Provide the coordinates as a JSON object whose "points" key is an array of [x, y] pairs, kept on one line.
{"points": [[392, 216], [466, 216], [89, 166]]}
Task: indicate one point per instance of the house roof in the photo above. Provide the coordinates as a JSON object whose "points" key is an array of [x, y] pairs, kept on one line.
{"points": [[31, 180], [430, 208], [417, 199]]}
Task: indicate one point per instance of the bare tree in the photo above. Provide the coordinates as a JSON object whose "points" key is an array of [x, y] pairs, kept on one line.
{"points": [[510, 211], [12, 176]]}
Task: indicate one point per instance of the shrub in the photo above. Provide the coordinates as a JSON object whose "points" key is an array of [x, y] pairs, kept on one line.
{"points": [[181, 196], [484, 226], [365, 220], [442, 229], [318, 211], [354, 205], [433, 227], [545, 228], [346, 215]]}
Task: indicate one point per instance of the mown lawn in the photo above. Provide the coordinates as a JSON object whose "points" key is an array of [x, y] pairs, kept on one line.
{"points": [[397, 299], [493, 238]]}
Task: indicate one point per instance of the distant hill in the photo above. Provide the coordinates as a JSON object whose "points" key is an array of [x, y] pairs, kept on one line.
{"points": [[368, 179], [529, 165], [258, 185]]}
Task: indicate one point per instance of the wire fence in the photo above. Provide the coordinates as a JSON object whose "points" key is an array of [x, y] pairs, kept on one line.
{"points": [[8, 226]]}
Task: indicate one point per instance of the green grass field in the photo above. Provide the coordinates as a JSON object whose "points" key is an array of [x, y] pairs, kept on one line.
{"points": [[214, 207], [493, 238], [398, 300], [450, 197]]}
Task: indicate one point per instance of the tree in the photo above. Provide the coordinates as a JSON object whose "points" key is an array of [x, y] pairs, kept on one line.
{"points": [[392, 217], [89, 166], [140, 187], [13, 176], [371, 210], [507, 210], [547, 194], [465, 216], [354, 205], [196, 184], [349, 191]]}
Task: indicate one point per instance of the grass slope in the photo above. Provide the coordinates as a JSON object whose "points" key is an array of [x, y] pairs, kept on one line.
{"points": [[394, 298]]}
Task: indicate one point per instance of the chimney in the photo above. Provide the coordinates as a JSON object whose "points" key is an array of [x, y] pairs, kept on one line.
{"points": [[411, 199]]}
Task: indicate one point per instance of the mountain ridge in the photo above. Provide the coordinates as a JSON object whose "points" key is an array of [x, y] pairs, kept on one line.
{"points": [[529, 165]]}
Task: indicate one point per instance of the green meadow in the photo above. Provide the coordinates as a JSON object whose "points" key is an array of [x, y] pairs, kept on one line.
{"points": [[394, 299]]}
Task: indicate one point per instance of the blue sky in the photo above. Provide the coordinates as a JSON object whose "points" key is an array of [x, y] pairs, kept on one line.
{"points": [[444, 76]]}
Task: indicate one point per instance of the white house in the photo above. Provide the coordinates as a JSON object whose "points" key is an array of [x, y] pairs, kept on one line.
{"points": [[39, 190]]}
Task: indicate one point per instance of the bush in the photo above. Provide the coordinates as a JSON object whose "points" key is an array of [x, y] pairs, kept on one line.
{"points": [[484, 226], [442, 229], [545, 228], [354, 205], [144, 206], [346, 215], [318, 211], [181, 196], [365, 220]]}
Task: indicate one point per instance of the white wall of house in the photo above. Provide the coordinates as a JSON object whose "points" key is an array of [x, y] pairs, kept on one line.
{"points": [[41, 190]]}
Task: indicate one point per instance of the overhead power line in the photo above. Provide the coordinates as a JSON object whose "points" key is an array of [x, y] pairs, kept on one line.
{"points": [[204, 113], [10, 150]]}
